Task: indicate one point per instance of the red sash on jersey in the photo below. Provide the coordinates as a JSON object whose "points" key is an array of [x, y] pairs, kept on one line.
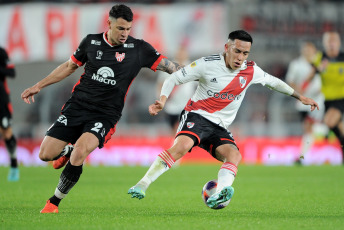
{"points": [[235, 87]]}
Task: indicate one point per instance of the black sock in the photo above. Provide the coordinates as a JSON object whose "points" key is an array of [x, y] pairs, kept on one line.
{"points": [[11, 145], [69, 177], [340, 138], [54, 200], [14, 163]]}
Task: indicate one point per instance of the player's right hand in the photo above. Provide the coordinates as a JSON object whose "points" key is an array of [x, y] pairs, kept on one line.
{"points": [[29, 93], [155, 108]]}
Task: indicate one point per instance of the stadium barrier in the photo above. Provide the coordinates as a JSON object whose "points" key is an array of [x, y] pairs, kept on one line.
{"points": [[142, 151]]}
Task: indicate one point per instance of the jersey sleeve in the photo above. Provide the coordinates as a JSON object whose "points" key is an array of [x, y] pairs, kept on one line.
{"points": [[188, 73], [79, 57], [149, 57], [260, 76], [271, 82], [192, 72]]}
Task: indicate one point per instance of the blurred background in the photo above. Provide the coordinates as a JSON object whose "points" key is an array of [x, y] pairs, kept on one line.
{"points": [[40, 35]]}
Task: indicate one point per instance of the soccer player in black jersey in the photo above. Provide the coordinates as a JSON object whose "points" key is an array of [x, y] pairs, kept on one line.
{"points": [[7, 70], [330, 67], [88, 119]]}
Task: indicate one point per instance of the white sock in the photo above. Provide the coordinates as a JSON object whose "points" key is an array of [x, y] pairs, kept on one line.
{"points": [[59, 194], [226, 175], [306, 143], [161, 164]]}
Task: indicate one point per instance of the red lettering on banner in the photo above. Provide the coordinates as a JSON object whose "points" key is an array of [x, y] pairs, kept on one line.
{"points": [[153, 33], [55, 29], [16, 35]]}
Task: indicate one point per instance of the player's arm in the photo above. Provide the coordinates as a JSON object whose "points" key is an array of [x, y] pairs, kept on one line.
{"points": [[58, 74], [282, 87], [168, 66], [166, 90]]}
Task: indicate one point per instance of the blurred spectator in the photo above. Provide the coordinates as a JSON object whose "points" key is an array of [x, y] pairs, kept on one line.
{"points": [[7, 70], [330, 66], [298, 72]]}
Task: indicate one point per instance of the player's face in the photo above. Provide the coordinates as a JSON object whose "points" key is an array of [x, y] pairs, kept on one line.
{"points": [[119, 30], [331, 43], [236, 52]]}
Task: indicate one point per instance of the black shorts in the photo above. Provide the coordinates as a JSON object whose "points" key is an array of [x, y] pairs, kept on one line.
{"points": [[338, 104], [69, 128], [5, 115], [205, 133]]}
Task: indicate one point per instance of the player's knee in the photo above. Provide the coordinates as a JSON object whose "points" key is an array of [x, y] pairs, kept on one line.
{"points": [[79, 155], [234, 157], [43, 155]]}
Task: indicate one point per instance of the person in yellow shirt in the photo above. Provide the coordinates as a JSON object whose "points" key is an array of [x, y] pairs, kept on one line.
{"points": [[330, 66]]}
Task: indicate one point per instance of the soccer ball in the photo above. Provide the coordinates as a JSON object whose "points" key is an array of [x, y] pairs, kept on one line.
{"points": [[208, 190]]}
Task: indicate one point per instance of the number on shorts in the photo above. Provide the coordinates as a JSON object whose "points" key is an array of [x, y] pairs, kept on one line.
{"points": [[97, 127]]}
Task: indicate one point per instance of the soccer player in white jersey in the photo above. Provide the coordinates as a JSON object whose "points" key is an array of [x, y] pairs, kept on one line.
{"points": [[223, 81], [298, 71]]}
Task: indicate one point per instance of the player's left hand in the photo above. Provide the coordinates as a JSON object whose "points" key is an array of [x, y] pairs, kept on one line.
{"points": [[309, 101], [155, 108]]}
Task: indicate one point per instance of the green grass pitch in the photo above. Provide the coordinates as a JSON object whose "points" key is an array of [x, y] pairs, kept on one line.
{"points": [[265, 197]]}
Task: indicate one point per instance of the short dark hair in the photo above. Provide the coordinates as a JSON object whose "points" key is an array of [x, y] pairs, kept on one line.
{"points": [[240, 35], [121, 11]]}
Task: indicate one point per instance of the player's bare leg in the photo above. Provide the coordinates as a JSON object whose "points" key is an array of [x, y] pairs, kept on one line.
{"points": [[51, 148], [162, 163]]}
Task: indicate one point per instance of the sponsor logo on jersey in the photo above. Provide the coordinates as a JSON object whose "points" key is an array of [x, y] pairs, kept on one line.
{"points": [[193, 64], [129, 45], [62, 119], [95, 42], [120, 57], [104, 75], [213, 80], [190, 124], [223, 95], [242, 81], [99, 54]]}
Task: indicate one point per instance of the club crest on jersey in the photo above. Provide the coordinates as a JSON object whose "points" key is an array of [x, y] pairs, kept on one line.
{"points": [[190, 124], [120, 57], [99, 54], [242, 81]]}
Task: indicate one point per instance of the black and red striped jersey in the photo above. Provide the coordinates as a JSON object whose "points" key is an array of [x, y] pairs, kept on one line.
{"points": [[109, 72]]}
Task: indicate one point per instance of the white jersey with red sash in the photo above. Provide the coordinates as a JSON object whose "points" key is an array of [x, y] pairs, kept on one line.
{"points": [[220, 90]]}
